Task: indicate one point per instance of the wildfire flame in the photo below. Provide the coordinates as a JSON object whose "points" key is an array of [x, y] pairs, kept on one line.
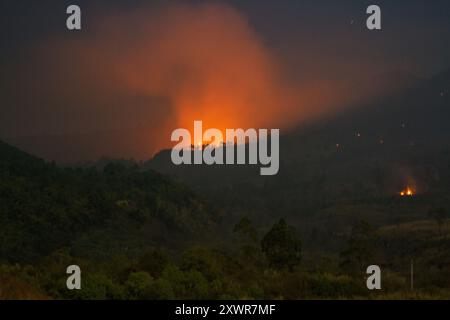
{"points": [[408, 192]]}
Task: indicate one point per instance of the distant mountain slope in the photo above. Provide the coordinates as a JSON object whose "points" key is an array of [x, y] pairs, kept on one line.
{"points": [[374, 150], [117, 210], [14, 158]]}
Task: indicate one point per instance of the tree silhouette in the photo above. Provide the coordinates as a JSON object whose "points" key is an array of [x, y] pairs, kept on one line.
{"points": [[282, 246], [359, 250]]}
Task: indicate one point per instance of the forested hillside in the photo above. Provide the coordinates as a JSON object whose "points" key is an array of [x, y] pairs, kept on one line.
{"points": [[102, 212], [338, 205]]}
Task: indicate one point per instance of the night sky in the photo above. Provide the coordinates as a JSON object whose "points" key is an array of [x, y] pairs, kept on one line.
{"points": [[116, 81]]}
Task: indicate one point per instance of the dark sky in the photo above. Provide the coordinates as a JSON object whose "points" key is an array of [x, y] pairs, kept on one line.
{"points": [[319, 48], [406, 22]]}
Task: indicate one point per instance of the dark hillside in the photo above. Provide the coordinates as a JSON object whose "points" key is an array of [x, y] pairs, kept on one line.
{"points": [[99, 212]]}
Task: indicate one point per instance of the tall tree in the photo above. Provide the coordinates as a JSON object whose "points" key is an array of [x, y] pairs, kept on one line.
{"points": [[282, 246], [360, 248]]}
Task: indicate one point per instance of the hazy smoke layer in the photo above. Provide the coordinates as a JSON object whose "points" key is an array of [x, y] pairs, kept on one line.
{"points": [[206, 59], [144, 72]]}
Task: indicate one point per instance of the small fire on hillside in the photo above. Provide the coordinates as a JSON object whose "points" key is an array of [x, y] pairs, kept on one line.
{"points": [[408, 192]]}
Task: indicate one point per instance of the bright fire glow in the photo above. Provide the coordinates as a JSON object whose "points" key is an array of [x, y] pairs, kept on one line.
{"points": [[408, 192]]}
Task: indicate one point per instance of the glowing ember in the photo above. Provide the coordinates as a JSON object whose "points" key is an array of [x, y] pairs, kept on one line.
{"points": [[408, 192]]}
